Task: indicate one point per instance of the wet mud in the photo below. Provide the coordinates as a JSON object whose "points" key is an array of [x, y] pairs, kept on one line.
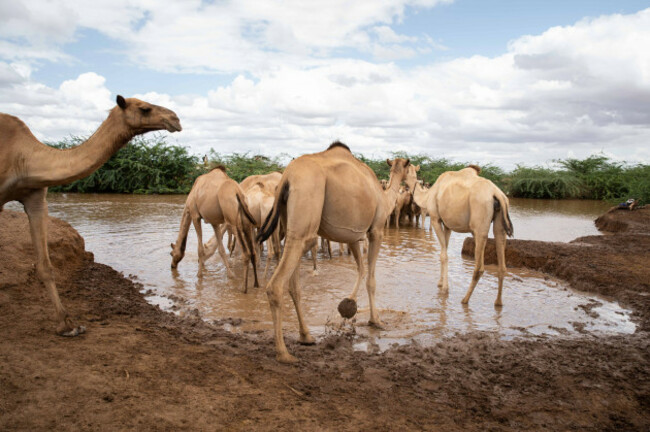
{"points": [[140, 368]]}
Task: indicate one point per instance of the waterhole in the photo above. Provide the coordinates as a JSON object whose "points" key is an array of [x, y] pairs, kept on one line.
{"points": [[133, 234]]}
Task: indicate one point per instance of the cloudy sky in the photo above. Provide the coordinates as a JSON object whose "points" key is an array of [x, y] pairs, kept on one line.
{"points": [[503, 81]]}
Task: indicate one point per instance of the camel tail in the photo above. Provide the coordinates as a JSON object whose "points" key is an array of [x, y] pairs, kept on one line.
{"points": [[271, 222], [244, 208], [501, 206]]}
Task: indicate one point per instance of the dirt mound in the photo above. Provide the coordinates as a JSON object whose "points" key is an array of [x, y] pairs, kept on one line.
{"points": [[138, 368], [616, 221], [66, 247]]}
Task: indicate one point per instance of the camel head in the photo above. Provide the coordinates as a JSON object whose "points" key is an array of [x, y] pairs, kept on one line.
{"points": [[177, 254], [412, 176], [398, 170], [141, 116]]}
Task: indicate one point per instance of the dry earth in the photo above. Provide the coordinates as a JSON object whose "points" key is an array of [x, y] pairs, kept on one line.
{"points": [[139, 368]]}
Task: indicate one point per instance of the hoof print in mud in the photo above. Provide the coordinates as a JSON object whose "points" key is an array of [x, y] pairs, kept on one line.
{"points": [[347, 308]]}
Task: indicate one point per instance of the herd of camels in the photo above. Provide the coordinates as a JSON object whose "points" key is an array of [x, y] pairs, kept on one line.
{"points": [[330, 194]]}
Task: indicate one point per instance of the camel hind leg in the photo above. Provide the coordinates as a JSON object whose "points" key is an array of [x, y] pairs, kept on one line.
{"points": [[500, 242], [36, 209], [294, 291], [374, 243], [443, 235], [289, 263], [479, 252]]}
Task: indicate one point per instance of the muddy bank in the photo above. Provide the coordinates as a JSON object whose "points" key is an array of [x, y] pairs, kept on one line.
{"points": [[140, 368], [615, 265]]}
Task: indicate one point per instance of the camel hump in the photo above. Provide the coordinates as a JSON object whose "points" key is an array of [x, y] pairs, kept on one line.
{"points": [[475, 167], [219, 167], [338, 144]]}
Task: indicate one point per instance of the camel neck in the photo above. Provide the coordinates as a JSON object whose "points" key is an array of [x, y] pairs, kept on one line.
{"points": [[419, 195], [51, 167]]}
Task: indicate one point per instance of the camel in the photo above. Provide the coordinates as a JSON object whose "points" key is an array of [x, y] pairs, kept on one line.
{"points": [[270, 181], [260, 198], [28, 167], [401, 204], [217, 199], [461, 201], [336, 196]]}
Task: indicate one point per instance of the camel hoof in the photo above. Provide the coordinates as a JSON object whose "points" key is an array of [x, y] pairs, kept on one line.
{"points": [[498, 304], [74, 332], [347, 308], [465, 301], [286, 358], [376, 324], [307, 340]]}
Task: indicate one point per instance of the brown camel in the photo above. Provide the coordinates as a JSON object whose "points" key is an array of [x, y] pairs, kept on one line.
{"points": [[336, 196], [462, 201], [28, 168], [217, 199]]}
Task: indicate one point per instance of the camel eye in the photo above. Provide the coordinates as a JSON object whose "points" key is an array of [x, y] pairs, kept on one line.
{"points": [[145, 110]]}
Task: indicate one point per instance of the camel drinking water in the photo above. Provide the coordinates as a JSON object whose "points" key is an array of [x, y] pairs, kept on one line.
{"points": [[28, 168], [461, 201], [217, 199], [336, 196]]}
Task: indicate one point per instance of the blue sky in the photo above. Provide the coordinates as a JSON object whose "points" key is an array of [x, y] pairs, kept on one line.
{"points": [[502, 82]]}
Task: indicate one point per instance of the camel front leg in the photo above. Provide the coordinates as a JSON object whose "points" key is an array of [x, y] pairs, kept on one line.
{"points": [[479, 251], [374, 243], [355, 247], [218, 234], [36, 209], [293, 251], [443, 235]]}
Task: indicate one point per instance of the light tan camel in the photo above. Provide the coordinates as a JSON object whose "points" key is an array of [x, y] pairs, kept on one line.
{"points": [[28, 168], [260, 198], [461, 201], [336, 196], [401, 204], [270, 181], [217, 199]]}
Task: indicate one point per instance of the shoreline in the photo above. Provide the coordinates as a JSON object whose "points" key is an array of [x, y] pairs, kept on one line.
{"points": [[138, 367]]}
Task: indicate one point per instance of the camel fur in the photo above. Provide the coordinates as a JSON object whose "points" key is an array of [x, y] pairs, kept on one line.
{"points": [[461, 201], [336, 196], [217, 199], [28, 167]]}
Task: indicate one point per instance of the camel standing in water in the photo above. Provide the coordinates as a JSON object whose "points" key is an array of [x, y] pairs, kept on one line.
{"points": [[217, 199], [462, 201], [28, 168], [336, 196]]}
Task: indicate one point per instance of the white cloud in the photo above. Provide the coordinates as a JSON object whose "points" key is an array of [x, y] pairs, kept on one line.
{"points": [[583, 88]]}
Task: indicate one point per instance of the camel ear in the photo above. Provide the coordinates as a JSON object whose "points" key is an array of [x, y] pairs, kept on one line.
{"points": [[121, 102], [408, 161], [389, 162], [417, 167], [172, 245]]}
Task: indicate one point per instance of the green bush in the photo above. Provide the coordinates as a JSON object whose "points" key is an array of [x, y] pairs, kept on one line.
{"points": [[151, 165], [145, 165]]}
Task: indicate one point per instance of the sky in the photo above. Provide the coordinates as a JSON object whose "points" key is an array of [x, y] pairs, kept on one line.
{"points": [[504, 82]]}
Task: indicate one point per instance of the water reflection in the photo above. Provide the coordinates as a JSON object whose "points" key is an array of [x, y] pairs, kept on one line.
{"points": [[133, 233]]}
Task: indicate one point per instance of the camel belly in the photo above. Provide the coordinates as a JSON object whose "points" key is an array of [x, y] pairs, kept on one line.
{"points": [[340, 234]]}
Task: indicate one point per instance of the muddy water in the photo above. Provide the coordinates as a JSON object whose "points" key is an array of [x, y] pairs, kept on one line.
{"points": [[132, 234]]}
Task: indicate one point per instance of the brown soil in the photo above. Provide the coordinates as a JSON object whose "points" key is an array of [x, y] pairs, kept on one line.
{"points": [[139, 368]]}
